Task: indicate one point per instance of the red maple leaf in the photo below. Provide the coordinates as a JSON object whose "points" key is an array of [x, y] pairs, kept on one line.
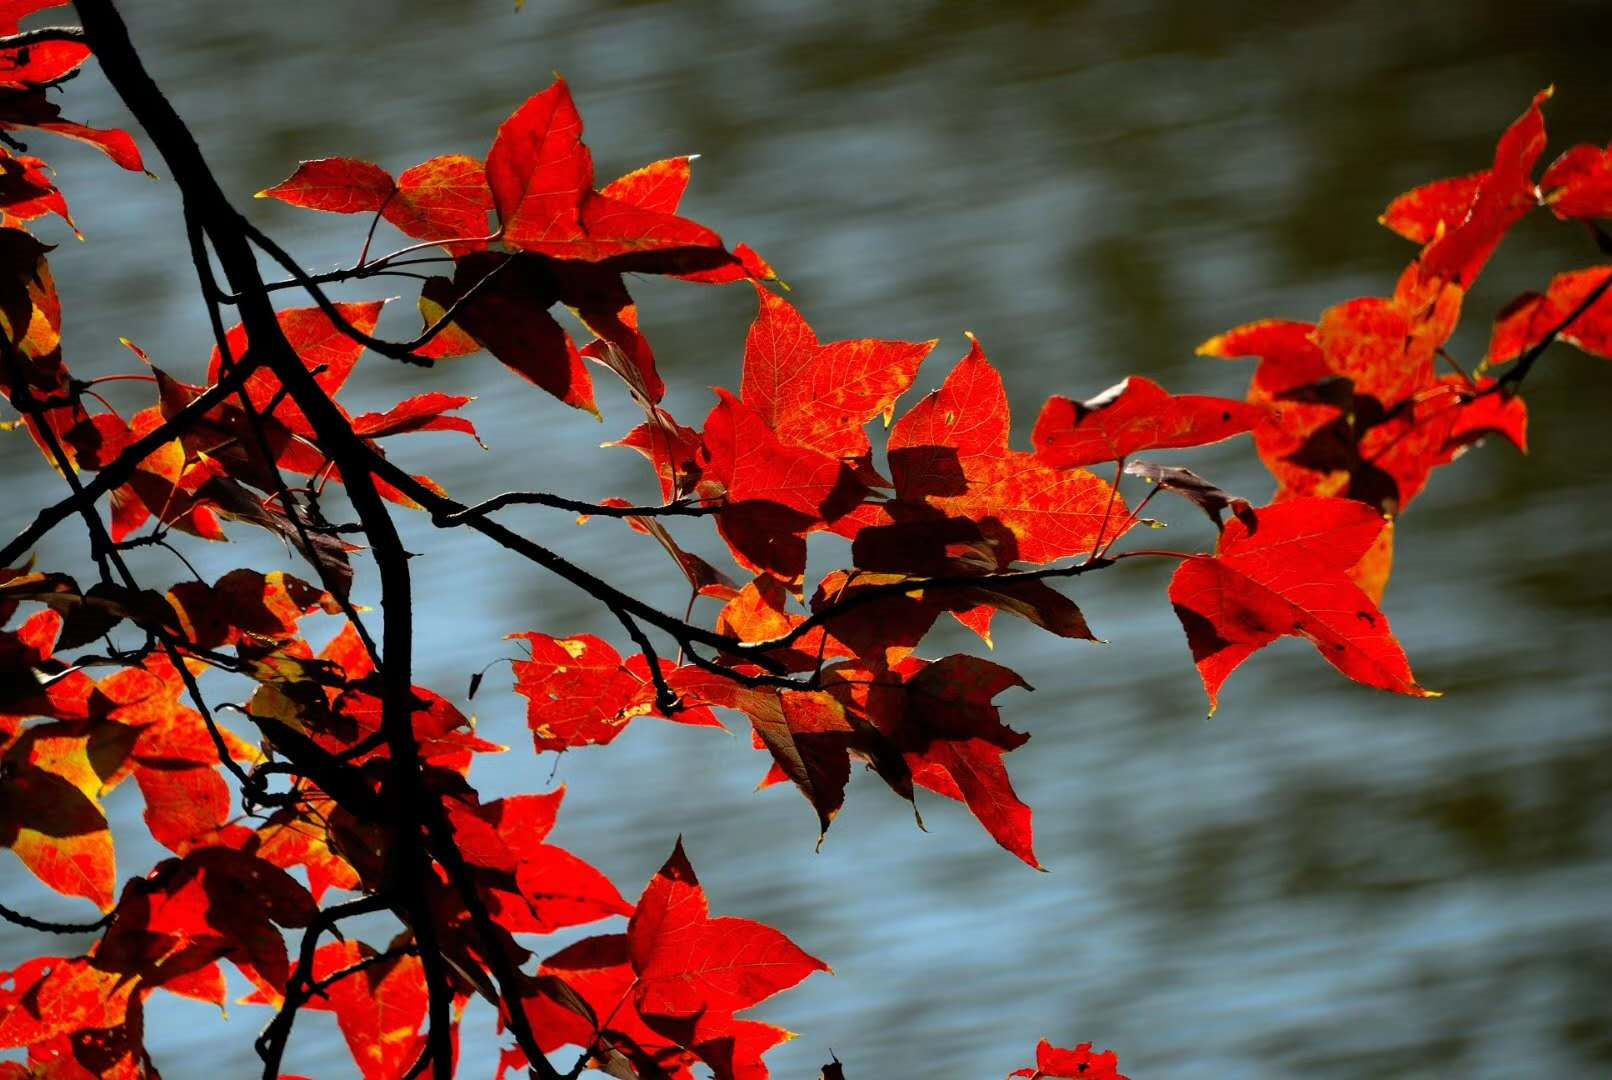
{"points": [[335, 186], [772, 493], [1289, 576], [1131, 416], [1578, 185], [662, 996], [1081, 1063], [819, 396], [379, 1008], [541, 175], [961, 489], [1560, 310], [580, 692], [542, 172], [444, 199], [532, 887], [939, 716], [1353, 404], [1463, 220], [689, 964]]}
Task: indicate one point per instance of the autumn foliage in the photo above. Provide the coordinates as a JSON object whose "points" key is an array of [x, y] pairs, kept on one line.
{"points": [[337, 788]]}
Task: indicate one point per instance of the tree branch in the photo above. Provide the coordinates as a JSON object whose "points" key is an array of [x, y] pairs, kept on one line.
{"points": [[397, 350], [403, 791], [415, 812], [300, 987], [227, 361], [1508, 383], [12, 915], [119, 471], [680, 508], [40, 35], [320, 298]]}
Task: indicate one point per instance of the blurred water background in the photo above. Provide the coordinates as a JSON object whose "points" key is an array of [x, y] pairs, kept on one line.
{"points": [[1321, 882]]}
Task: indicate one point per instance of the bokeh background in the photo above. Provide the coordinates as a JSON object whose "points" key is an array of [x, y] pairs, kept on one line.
{"points": [[1322, 881]]}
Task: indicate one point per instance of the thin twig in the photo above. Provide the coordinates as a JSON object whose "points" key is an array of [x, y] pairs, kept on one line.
{"points": [[404, 351], [40, 35], [446, 513], [118, 472], [1508, 382], [227, 361], [12, 915], [680, 508], [666, 699], [1108, 509], [107, 555], [299, 989]]}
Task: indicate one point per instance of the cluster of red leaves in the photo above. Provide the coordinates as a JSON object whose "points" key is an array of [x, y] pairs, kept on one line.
{"points": [[1081, 1063], [788, 456], [26, 190], [67, 739], [1356, 410], [564, 243], [229, 464], [661, 997], [944, 517]]}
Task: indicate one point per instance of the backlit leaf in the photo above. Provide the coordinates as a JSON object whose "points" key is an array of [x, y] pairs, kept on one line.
{"points": [[820, 396], [335, 185], [1532, 317], [579, 692], [1579, 183], [1134, 415], [1081, 1063], [380, 1009], [689, 964], [1289, 576]]}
